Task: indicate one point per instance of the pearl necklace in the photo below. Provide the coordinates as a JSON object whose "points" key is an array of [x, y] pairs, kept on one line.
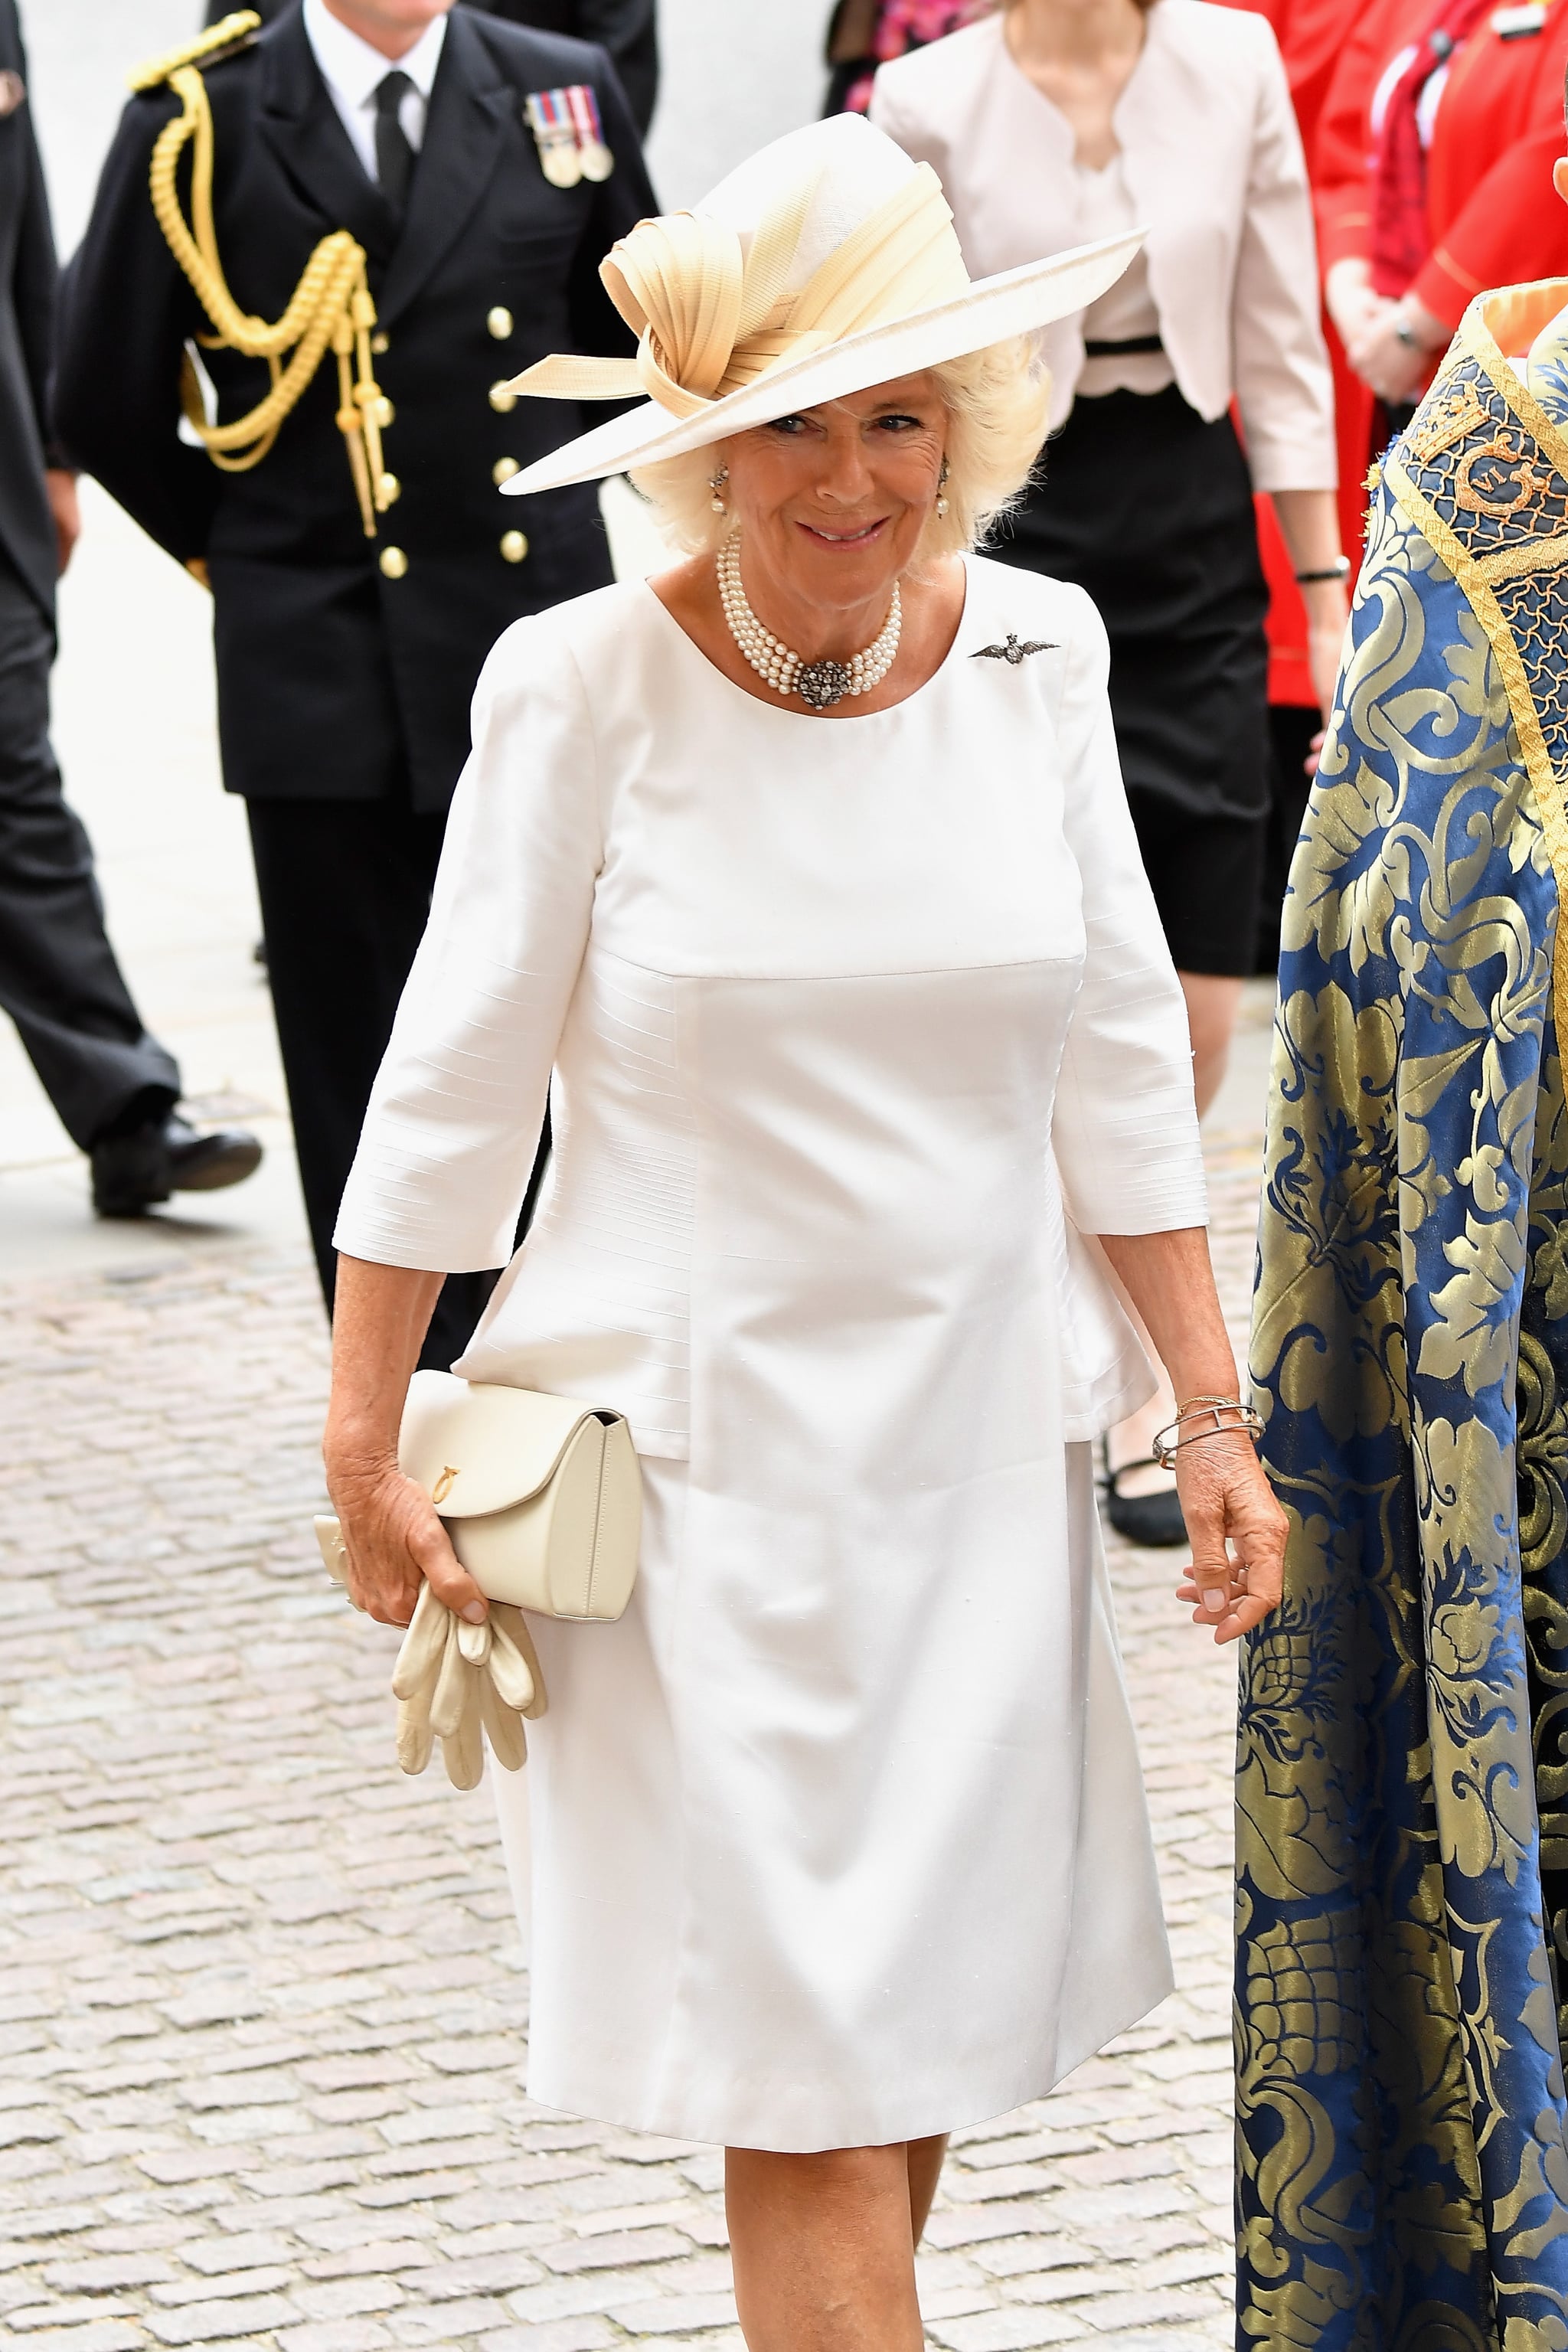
{"points": [[819, 684]]}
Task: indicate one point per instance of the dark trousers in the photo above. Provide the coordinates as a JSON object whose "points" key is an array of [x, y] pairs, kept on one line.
{"points": [[345, 890], [58, 978]]}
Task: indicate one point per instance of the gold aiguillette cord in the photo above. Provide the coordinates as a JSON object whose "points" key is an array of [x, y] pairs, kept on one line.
{"points": [[332, 304]]}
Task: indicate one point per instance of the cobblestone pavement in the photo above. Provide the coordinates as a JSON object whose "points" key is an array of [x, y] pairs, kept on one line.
{"points": [[262, 2008]]}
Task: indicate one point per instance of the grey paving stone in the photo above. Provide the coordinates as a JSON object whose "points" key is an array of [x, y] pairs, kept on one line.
{"points": [[212, 2256], [102, 2273], [676, 2314], [335, 2335], [449, 2324], [348, 2298], [1003, 2331], [227, 2286], [25, 2318], [96, 2336], [214, 2322], [378, 2254], [615, 2250], [585, 2334], [467, 2274]]}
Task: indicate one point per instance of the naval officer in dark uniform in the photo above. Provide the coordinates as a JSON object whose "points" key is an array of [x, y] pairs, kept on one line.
{"points": [[346, 661], [628, 29], [113, 1085]]}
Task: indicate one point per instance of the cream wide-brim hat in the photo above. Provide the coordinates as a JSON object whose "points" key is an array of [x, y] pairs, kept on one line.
{"points": [[826, 264]]}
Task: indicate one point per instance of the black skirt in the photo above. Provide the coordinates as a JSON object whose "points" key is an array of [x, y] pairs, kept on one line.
{"points": [[1151, 510]]}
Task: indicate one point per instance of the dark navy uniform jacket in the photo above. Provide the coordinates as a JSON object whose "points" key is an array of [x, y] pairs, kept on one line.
{"points": [[627, 29], [27, 281], [336, 681]]}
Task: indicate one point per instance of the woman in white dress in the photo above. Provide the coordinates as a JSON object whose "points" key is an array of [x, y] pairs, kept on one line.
{"points": [[806, 870]]}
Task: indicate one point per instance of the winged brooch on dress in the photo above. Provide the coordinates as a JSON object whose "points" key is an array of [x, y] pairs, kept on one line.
{"points": [[1012, 652]]}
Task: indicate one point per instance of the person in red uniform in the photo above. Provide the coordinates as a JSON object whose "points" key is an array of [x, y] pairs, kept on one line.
{"points": [[1433, 180]]}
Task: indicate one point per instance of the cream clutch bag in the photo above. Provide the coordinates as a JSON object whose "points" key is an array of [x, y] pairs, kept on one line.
{"points": [[542, 1497]]}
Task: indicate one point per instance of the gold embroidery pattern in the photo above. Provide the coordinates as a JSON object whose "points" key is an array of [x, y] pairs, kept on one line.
{"points": [[1499, 478], [1484, 455], [1451, 416], [1494, 505]]}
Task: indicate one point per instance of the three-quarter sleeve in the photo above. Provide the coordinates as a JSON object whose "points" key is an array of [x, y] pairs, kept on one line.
{"points": [[454, 1120], [1283, 385], [1125, 1133]]}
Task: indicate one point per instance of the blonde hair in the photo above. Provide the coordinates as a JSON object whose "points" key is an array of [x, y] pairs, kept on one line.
{"points": [[997, 402]]}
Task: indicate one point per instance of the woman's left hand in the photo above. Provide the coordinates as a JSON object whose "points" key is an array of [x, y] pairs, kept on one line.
{"points": [[1328, 607], [1237, 1533]]}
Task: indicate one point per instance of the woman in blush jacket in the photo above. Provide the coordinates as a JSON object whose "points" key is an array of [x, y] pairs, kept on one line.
{"points": [[1050, 122]]}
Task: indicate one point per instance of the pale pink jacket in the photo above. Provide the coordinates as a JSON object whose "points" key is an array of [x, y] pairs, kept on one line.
{"points": [[1214, 162]]}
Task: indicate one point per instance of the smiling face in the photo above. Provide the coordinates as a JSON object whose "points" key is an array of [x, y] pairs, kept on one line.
{"points": [[832, 502]]}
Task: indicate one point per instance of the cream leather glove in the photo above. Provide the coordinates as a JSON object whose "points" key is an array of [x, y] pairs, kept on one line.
{"points": [[454, 1681], [451, 1679]]}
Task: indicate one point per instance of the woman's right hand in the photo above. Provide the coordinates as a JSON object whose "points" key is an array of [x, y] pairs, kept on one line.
{"points": [[395, 1543], [1237, 1532]]}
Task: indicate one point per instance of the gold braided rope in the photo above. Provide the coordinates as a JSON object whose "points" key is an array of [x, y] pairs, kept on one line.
{"points": [[330, 305]]}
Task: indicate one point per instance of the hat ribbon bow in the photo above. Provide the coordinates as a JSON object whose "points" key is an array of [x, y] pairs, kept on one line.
{"points": [[710, 318]]}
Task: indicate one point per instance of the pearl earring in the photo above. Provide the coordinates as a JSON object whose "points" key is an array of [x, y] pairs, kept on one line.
{"points": [[942, 489], [716, 484]]}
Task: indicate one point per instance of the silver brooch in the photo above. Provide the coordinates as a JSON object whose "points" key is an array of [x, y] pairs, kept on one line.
{"points": [[1012, 652], [821, 684]]}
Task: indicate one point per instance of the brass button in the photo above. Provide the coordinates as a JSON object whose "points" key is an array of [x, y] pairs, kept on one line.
{"points": [[389, 491], [514, 545], [502, 397], [394, 564], [501, 322], [504, 469], [380, 344]]}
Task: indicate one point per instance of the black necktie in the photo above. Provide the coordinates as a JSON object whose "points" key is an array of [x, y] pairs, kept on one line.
{"points": [[394, 155]]}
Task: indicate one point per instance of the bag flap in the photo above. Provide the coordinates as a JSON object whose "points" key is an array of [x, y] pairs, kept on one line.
{"points": [[477, 1447]]}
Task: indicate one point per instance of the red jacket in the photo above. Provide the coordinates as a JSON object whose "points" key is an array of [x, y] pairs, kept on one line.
{"points": [[1311, 33], [1491, 208]]}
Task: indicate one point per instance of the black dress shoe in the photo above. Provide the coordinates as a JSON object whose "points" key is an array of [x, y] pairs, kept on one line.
{"points": [[132, 1173], [1154, 1520]]}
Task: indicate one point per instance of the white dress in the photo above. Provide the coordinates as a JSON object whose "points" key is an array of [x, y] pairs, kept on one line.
{"points": [[838, 1837]]}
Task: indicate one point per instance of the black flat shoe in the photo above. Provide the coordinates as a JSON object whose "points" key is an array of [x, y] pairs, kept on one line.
{"points": [[132, 1173], [1153, 1520]]}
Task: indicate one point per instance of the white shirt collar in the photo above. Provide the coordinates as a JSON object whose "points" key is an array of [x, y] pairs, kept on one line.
{"points": [[352, 70]]}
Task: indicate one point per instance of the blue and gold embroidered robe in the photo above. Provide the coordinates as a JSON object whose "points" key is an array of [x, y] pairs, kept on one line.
{"points": [[1402, 1856]]}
